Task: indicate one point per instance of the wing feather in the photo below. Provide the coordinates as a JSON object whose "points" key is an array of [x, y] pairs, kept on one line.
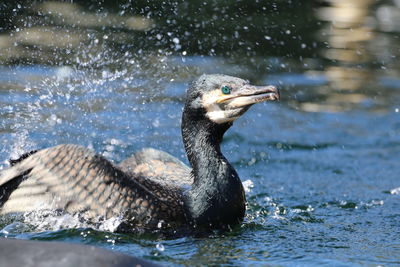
{"points": [[75, 179]]}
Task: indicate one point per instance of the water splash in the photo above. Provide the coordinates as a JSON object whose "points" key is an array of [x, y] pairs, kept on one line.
{"points": [[14, 228], [110, 225], [44, 220], [248, 185], [20, 143], [395, 191], [50, 220]]}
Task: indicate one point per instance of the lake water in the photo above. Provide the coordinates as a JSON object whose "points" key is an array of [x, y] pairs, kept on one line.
{"points": [[321, 166]]}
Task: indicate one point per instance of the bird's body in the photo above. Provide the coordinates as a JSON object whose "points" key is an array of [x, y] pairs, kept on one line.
{"points": [[151, 189]]}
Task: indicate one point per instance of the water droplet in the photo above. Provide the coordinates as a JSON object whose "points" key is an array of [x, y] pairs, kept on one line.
{"points": [[112, 241], [160, 224], [175, 40], [160, 247], [53, 119], [252, 161]]}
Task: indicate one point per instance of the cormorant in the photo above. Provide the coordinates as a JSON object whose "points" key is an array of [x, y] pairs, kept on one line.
{"points": [[151, 189]]}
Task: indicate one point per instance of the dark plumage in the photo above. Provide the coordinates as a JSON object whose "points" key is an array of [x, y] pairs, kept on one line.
{"points": [[151, 189]]}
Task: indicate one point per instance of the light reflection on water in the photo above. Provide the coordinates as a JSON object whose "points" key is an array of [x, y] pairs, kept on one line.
{"points": [[323, 162]]}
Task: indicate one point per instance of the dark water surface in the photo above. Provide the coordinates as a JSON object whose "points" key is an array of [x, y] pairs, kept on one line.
{"points": [[321, 166]]}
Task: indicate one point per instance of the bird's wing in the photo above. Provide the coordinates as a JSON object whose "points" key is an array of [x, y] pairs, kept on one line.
{"points": [[75, 179], [158, 166]]}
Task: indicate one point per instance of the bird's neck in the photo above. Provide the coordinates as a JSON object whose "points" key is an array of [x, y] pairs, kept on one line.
{"points": [[217, 196]]}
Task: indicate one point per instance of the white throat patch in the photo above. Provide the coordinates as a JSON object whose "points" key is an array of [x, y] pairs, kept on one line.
{"points": [[213, 110]]}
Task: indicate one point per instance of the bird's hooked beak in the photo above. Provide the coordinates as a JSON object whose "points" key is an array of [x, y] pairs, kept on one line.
{"points": [[228, 103], [249, 95]]}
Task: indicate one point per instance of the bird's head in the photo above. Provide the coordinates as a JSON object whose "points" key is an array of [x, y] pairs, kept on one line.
{"points": [[222, 99]]}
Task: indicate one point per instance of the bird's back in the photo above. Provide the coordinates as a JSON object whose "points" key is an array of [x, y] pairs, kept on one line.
{"points": [[158, 166]]}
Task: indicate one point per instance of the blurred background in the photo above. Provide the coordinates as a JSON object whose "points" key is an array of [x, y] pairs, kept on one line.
{"points": [[350, 47], [320, 167]]}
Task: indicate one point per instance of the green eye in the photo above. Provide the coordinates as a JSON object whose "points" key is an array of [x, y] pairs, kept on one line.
{"points": [[226, 90]]}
